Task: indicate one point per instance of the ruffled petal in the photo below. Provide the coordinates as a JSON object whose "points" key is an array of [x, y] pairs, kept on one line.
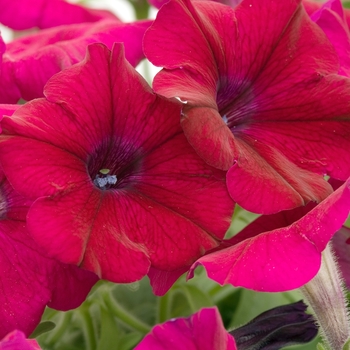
{"points": [[279, 252]]}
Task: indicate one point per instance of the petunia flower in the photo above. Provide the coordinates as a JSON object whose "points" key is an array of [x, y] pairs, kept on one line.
{"points": [[279, 252], [117, 187], [261, 96], [203, 330], [332, 20], [16, 340], [276, 328], [30, 280], [312, 6], [30, 61], [21, 14]]}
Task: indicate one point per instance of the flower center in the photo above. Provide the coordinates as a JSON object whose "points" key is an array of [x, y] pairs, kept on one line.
{"points": [[103, 180], [237, 112], [114, 164]]}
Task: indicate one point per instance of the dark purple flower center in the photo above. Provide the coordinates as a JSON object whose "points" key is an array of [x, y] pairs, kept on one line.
{"points": [[114, 164], [237, 111]]}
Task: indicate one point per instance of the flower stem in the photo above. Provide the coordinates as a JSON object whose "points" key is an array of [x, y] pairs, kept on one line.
{"points": [[325, 294], [128, 319]]}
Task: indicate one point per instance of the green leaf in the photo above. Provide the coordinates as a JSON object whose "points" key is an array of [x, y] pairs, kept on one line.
{"points": [[196, 298], [228, 306], [346, 345], [42, 328], [111, 333], [137, 299], [128, 341], [253, 303]]}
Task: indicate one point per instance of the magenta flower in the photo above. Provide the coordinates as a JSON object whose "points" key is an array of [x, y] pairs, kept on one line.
{"points": [[30, 61], [331, 19], [312, 6], [16, 340], [276, 328], [117, 187], [261, 101], [282, 251], [203, 330], [21, 14], [29, 279], [7, 109]]}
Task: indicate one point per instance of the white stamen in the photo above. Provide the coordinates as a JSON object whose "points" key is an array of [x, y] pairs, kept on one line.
{"points": [[101, 182]]}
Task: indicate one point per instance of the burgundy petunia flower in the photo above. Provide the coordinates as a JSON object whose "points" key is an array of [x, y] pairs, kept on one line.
{"points": [[203, 330], [16, 340], [21, 14], [261, 96], [30, 61], [30, 280], [117, 187], [282, 251]]}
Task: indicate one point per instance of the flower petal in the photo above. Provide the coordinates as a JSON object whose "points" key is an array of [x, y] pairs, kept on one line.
{"points": [[181, 50], [331, 18], [30, 61], [35, 278], [161, 281], [280, 185], [16, 340], [210, 137], [91, 234], [279, 257], [204, 330], [21, 15]]}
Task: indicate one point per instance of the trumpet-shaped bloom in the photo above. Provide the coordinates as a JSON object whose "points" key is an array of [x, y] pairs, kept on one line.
{"points": [[281, 251], [30, 280], [30, 61], [262, 98], [21, 14], [16, 340], [117, 187], [203, 330]]}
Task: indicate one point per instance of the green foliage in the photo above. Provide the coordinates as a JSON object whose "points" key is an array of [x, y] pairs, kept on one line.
{"points": [[42, 328], [347, 345]]}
